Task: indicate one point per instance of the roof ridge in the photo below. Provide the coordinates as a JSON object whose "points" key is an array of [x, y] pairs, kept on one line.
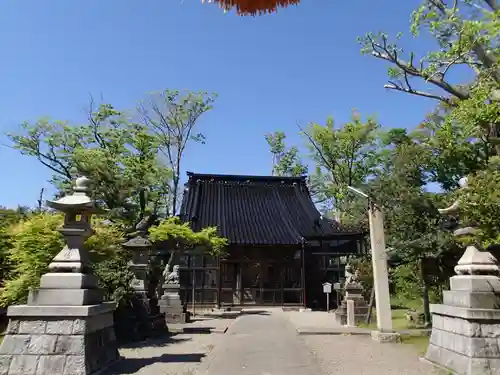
{"points": [[235, 177], [264, 210]]}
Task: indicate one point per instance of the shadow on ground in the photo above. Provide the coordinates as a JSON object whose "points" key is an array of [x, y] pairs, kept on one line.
{"points": [[230, 315], [193, 330], [255, 312], [133, 365], [163, 340]]}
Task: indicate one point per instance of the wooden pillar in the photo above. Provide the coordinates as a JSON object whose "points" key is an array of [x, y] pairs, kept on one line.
{"points": [[219, 282], [303, 281], [239, 286], [282, 277]]}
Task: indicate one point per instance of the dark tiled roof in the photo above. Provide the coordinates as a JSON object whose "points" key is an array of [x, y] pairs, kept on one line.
{"points": [[261, 210]]}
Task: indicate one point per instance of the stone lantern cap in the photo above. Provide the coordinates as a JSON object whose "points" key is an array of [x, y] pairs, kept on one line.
{"points": [[79, 201], [137, 242]]}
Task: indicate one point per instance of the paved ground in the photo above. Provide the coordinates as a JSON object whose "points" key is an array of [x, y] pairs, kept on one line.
{"points": [[260, 345], [177, 355], [313, 319], [268, 344]]}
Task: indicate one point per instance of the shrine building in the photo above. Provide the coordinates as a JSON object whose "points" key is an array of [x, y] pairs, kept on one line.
{"points": [[281, 249]]}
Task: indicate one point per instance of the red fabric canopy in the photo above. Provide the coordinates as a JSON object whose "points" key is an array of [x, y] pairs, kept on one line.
{"points": [[255, 7]]}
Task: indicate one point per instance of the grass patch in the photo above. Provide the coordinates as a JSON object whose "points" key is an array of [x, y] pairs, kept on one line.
{"points": [[419, 342], [399, 321], [399, 303]]}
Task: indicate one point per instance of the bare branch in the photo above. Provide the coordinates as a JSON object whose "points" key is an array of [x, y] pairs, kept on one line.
{"points": [[493, 4], [94, 123], [382, 51], [393, 86]]}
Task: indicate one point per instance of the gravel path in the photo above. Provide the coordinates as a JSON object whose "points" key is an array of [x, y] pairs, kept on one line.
{"points": [[360, 355], [356, 354]]}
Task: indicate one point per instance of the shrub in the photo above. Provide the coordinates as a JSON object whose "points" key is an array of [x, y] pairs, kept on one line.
{"points": [[35, 241]]}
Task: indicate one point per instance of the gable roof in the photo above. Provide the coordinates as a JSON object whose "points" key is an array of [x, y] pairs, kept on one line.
{"points": [[254, 210]]}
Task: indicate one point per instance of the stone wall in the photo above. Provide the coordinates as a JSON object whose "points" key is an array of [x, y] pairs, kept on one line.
{"points": [[52, 346]]}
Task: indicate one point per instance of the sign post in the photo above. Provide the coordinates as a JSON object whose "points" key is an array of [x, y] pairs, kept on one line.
{"points": [[327, 289]]}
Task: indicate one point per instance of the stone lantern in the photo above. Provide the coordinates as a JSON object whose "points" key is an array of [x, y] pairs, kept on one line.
{"points": [[65, 328], [140, 247], [466, 326], [353, 291]]}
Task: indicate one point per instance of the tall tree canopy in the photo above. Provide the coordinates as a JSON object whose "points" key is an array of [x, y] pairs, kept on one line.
{"points": [[172, 117], [344, 156], [467, 35], [286, 161]]}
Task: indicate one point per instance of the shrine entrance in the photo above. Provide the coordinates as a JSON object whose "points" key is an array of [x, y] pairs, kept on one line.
{"points": [[267, 281]]}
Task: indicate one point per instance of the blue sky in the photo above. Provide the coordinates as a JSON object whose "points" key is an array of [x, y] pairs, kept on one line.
{"points": [[299, 65]]}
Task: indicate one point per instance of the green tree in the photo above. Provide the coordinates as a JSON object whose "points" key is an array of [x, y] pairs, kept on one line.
{"points": [[118, 156], [480, 204], [286, 162], [467, 33], [414, 226], [344, 156], [172, 116], [451, 150], [180, 236], [459, 138]]}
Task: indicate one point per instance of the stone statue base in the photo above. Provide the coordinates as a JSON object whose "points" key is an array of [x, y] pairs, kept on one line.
{"points": [[465, 328], [170, 304], [59, 340], [353, 292]]}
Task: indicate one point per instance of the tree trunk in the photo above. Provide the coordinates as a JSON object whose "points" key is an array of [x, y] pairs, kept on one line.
{"points": [[171, 258], [425, 291], [370, 306]]}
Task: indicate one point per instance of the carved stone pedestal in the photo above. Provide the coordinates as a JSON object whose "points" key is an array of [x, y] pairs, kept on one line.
{"points": [[170, 304], [353, 292]]}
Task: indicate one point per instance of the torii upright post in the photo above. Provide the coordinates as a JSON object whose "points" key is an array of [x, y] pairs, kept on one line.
{"points": [[384, 331], [379, 264]]}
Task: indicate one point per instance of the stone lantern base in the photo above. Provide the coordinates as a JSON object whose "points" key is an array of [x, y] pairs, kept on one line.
{"points": [[466, 327], [353, 292], [170, 304], [58, 340]]}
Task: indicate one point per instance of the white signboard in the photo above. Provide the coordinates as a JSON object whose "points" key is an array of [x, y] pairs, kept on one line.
{"points": [[327, 288]]}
